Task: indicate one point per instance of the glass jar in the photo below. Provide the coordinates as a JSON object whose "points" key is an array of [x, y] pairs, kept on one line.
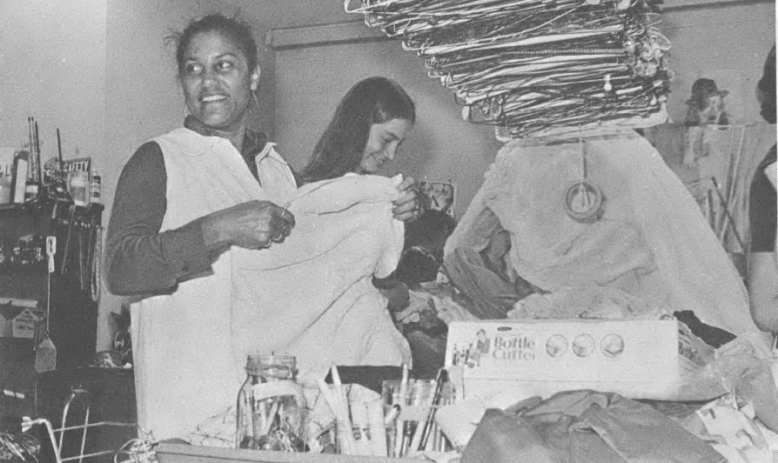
{"points": [[271, 406]]}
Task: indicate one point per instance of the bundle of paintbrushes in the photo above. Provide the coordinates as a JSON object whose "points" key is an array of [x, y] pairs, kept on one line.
{"points": [[410, 418], [397, 423], [533, 65]]}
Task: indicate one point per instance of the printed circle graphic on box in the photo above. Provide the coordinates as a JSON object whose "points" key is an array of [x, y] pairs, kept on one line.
{"points": [[556, 346], [612, 345], [584, 345]]}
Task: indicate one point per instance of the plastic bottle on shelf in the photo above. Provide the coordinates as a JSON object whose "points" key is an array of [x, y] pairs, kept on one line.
{"points": [[21, 163], [6, 189], [78, 187], [95, 185]]}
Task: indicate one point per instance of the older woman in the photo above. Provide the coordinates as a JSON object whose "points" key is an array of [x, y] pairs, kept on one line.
{"points": [[185, 202]]}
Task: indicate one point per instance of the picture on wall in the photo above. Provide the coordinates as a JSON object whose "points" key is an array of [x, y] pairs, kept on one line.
{"points": [[441, 195]]}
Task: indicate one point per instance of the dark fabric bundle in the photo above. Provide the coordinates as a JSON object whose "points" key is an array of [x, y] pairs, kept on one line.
{"points": [[423, 251], [583, 426]]}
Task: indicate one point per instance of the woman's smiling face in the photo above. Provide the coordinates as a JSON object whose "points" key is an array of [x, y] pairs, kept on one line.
{"points": [[382, 144], [217, 81]]}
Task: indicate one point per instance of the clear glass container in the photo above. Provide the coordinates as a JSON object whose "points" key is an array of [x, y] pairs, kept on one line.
{"points": [[271, 406]]}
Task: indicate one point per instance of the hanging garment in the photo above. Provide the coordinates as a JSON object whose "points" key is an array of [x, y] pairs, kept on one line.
{"points": [[651, 241]]}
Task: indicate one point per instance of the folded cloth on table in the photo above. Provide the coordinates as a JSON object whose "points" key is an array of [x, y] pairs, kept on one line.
{"points": [[585, 426]]}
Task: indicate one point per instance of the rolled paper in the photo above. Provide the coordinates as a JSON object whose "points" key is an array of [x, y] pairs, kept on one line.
{"points": [[342, 420], [360, 428], [375, 417], [398, 443]]}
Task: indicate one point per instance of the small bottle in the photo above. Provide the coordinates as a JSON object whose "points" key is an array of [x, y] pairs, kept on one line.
{"points": [[95, 185], [31, 191], [6, 188], [78, 187], [21, 164]]}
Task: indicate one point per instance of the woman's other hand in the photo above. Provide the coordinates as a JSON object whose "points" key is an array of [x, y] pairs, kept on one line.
{"points": [[250, 225], [408, 207]]}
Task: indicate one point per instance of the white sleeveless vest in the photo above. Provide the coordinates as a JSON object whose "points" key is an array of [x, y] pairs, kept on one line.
{"points": [[185, 366]]}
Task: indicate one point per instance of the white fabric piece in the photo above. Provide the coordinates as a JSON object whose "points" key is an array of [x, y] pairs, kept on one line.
{"points": [[600, 302], [316, 290], [652, 241]]}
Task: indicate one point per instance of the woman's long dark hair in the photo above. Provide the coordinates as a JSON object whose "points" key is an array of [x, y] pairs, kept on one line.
{"points": [[766, 87], [374, 100]]}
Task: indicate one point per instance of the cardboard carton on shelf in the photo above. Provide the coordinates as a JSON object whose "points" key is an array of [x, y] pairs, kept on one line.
{"points": [[18, 317]]}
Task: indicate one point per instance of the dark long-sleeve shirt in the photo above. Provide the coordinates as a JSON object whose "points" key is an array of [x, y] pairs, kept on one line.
{"points": [[762, 208], [139, 260]]}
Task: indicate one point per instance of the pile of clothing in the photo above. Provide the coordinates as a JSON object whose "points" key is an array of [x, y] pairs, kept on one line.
{"points": [[607, 428]]}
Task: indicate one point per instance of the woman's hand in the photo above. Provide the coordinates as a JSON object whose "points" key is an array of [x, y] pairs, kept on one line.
{"points": [[250, 225], [408, 207]]}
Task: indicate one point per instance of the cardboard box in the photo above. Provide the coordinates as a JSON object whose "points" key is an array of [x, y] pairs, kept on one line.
{"points": [[636, 358], [18, 317]]}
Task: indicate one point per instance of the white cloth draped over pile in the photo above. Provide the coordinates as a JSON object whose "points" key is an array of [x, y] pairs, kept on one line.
{"points": [[310, 296], [652, 242]]}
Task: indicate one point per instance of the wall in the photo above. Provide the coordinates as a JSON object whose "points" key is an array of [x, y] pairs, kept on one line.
{"points": [[52, 67], [100, 71]]}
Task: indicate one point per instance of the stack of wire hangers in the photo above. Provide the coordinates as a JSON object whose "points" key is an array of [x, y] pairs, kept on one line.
{"points": [[530, 66]]}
